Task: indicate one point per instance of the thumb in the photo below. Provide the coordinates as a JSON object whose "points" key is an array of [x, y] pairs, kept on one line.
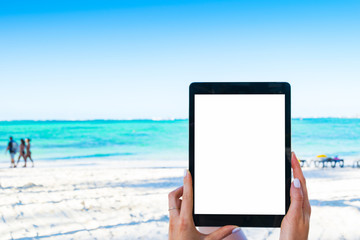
{"points": [[297, 199], [221, 233]]}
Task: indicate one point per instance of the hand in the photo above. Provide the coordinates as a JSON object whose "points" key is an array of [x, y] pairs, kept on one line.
{"points": [[181, 224], [295, 224]]}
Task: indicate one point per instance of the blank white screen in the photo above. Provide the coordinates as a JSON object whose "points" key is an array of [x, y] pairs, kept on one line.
{"points": [[239, 154]]}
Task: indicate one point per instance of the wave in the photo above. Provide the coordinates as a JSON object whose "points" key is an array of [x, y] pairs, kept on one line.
{"points": [[99, 155]]}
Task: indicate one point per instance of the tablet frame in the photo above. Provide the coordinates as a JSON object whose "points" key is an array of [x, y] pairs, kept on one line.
{"points": [[241, 88]]}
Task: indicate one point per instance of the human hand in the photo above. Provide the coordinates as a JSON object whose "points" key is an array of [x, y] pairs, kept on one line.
{"points": [[181, 224], [295, 224]]}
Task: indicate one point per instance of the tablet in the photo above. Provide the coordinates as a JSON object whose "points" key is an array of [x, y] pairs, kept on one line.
{"points": [[240, 153]]}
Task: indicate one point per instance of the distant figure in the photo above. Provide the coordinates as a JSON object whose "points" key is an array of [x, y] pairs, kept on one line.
{"points": [[21, 152], [28, 152], [12, 148]]}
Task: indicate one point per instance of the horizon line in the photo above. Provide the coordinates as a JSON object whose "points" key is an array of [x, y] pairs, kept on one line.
{"points": [[156, 119]]}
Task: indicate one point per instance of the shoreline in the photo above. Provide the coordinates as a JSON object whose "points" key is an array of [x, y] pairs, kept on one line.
{"points": [[101, 162], [136, 163]]}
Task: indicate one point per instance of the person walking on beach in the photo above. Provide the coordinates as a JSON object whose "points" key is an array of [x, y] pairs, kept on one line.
{"points": [[21, 152], [28, 152], [12, 148]]}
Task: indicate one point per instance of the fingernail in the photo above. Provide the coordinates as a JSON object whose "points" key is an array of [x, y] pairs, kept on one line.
{"points": [[297, 183], [185, 172], [235, 230]]}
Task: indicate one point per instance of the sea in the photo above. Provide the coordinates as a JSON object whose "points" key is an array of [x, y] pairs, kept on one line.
{"points": [[162, 139]]}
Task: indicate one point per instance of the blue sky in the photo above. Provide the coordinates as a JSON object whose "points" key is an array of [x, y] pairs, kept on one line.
{"points": [[135, 59]]}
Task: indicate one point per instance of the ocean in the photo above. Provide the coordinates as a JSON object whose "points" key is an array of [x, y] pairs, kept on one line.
{"points": [[162, 140]]}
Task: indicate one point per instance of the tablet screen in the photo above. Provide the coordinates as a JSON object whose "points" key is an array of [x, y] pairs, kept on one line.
{"points": [[239, 145]]}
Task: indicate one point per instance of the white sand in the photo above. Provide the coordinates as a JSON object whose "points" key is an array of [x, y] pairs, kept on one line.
{"points": [[118, 201]]}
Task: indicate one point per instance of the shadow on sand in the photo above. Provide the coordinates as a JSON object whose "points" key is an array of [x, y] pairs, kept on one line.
{"points": [[164, 218], [335, 203]]}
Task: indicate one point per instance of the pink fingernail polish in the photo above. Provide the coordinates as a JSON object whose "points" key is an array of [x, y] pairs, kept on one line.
{"points": [[185, 172], [297, 183], [236, 230]]}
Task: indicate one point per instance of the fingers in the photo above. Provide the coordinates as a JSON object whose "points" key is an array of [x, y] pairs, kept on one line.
{"points": [[299, 174], [187, 198], [296, 168], [296, 210], [221, 233], [175, 202], [174, 196]]}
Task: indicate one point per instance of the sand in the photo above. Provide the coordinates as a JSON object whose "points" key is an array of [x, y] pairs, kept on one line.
{"points": [[128, 200]]}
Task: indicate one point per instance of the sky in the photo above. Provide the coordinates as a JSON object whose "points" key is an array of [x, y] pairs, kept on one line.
{"points": [[135, 59]]}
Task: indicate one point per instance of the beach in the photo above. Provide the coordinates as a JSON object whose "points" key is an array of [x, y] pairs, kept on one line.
{"points": [[107, 179], [128, 200]]}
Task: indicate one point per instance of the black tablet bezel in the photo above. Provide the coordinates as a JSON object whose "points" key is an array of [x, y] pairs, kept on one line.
{"points": [[242, 88]]}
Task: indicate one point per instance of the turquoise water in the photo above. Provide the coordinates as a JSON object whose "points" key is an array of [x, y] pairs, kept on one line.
{"points": [[330, 136], [162, 140]]}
